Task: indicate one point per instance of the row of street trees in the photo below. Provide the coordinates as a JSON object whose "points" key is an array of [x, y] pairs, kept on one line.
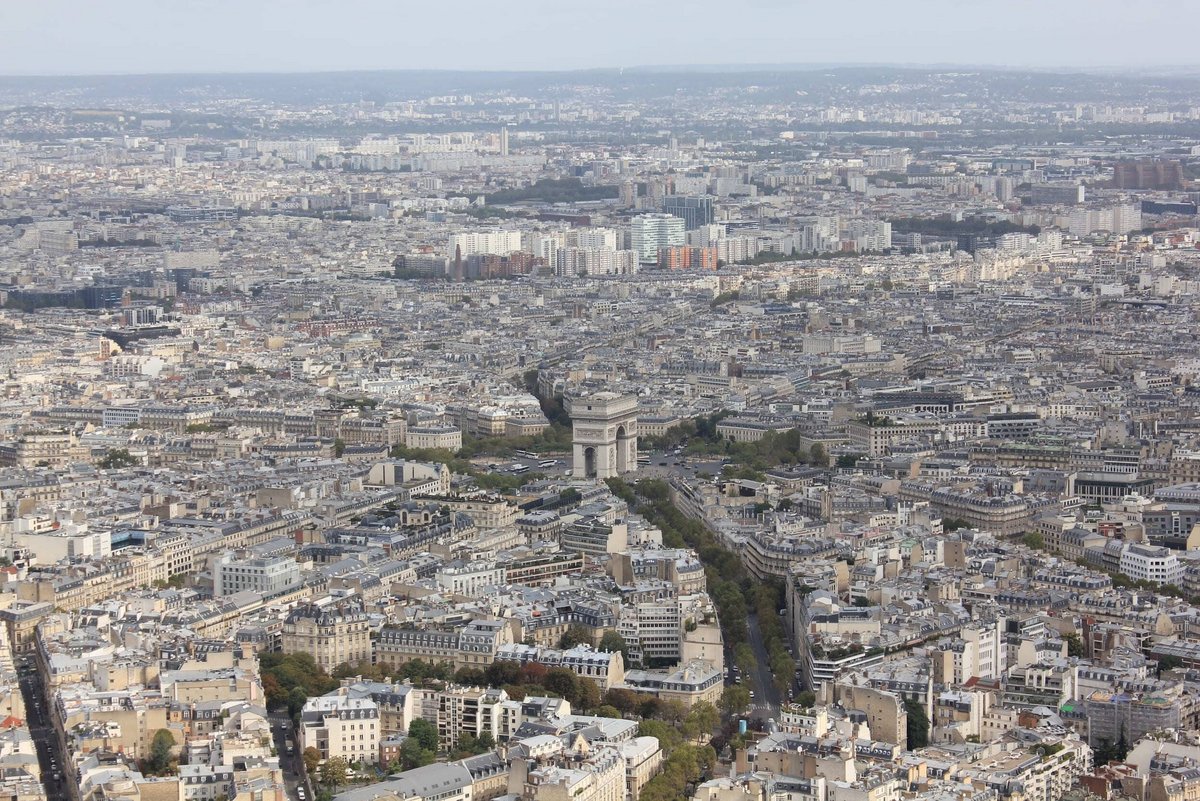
{"points": [[734, 591]]}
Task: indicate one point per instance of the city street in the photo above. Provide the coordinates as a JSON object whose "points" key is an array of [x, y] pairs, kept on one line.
{"points": [[50, 760], [767, 697], [664, 464], [293, 764]]}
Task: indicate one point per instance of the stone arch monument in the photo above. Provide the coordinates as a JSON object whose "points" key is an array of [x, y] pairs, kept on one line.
{"points": [[604, 433]]}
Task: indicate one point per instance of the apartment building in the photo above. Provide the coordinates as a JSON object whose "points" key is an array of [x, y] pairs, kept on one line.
{"points": [[465, 710], [446, 438], [594, 775], [688, 258], [1156, 564], [470, 579], [333, 633], [437, 782], [676, 566], [595, 537], [643, 759], [341, 726], [485, 512], [474, 645], [1026, 770], [243, 572], [1039, 685], [606, 669], [651, 233], [689, 683], [977, 652], [541, 569], [1115, 715]]}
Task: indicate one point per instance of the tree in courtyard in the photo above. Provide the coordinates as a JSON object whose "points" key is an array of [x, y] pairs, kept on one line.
{"points": [[562, 682], [624, 701], [116, 458], [425, 733], [611, 641], [587, 696], [412, 755], [918, 724], [1034, 540], [160, 763], [669, 738], [574, 635], [334, 772], [705, 715]]}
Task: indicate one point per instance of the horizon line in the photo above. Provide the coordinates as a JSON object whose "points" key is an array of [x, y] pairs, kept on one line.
{"points": [[640, 68]]}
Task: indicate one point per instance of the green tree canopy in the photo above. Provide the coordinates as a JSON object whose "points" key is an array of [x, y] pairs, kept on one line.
{"points": [[624, 701], [587, 695], [612, 641], [312, 758], [668, 736], [412, 755], [705, 714], [918, 724], [562, 682], [160, 762], [425, 733], [734, 699], [575, 635], [334, 772], [116, 458]]}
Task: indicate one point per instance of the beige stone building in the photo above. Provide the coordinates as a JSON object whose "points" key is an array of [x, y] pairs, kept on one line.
{"points": [[689, 684], [333, 634], [433, 437], [486, 513], [584, 774], [39, 449], [475, 645], [643, 758], [340, 726]]}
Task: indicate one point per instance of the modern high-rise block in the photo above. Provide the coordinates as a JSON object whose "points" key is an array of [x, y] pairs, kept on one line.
{"points": [[497, 241], [694, 211], [1148, 174], [650, 233], [870, 234], [688, 258], [1066, 194]]}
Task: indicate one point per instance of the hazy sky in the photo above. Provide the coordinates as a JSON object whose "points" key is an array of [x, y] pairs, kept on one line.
{"points": [[106, 36]]}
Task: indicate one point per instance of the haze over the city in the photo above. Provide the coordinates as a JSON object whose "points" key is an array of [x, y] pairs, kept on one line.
{"points": [[148, 36]]}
